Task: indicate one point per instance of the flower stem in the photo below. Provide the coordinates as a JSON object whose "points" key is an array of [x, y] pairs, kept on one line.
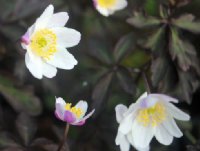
{"points": [[64, 138]]}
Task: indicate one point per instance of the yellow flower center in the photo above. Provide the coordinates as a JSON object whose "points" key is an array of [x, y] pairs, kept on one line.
{"points": [[106, 3], [43, 43], [77, 111], [152, 116]]}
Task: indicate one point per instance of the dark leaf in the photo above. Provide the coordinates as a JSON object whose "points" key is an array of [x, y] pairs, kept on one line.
{"points": [[21, 100], [101, 89], [155, 42], [124, 45], [195, 147], [184, 51], [26, 128], [141, 21], [6, 140], [158, 68], [187, 22], [13, 149], [126, 80]]}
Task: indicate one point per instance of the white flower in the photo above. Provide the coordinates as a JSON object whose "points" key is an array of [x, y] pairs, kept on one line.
{"points": [[46, 42], [73, 115], [124, 140], [108, 7], [153, 115]]}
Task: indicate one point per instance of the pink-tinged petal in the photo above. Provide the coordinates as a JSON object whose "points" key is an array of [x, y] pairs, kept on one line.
{"points": [[57, 116], [95, 3], [88, 115], [80, 123], [25, 38], [163, 97], [149, 101], [69, 117]]}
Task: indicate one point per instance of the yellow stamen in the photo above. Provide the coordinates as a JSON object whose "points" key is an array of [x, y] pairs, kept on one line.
{"points": [[43, 43], [77, 111], [152, 116], [106, 3]]}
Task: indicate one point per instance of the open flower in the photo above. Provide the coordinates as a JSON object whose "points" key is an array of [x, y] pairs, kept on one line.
{"points": [[73, 115], [152, 115], [124, 140], [46, 42], [108, 7]]}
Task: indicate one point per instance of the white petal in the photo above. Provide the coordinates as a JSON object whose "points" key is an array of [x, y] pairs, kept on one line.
{"points": [[67, 37], [34, 65], [172, 128], [83, 106], [104, 11], [165, 98], [132, 108], [58, 19], [141, 135], [126, 123], [143, 96], [62, 59], [120, 110], [162, 135], [88, 115], [48, 70], [60, 101], [43, 20], [130, 139], [122, 141], [177, 113], [120, 4], [60, 107]]}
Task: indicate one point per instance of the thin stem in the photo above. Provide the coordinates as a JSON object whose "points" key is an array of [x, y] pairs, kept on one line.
{"points": [[64, 138], [190, 137], [146, 81]]}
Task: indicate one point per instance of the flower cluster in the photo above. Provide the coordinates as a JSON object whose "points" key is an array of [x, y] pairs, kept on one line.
{"points": [[151, 115]]}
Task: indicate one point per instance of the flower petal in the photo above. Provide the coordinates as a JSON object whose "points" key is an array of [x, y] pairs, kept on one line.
{"points": [[164, 98], [83, 106], [48, 70], [172, 128], [120, 4], [69, 117], [63, 59], [122, 141], [104, 11], [162, 135], [43, 20], [177, 113], [58, 20], [79, 123], [34, 65], [60, 108], [120, 110], [67, 37], [141, 135], [84, 118], [126, 124]]}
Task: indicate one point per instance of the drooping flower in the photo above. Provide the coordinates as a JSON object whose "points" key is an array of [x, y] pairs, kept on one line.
{"points": [[73, 115], [108, 7], [46, 42], [124, 140], [153, 115]]}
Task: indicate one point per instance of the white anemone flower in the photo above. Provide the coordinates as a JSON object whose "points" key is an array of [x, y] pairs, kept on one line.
{"points": [[124, 140], [108, 7], [46, 42], [153, 115]]}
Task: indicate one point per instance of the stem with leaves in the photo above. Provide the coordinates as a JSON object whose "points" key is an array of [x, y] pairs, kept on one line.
{"points": [[64, 138]]}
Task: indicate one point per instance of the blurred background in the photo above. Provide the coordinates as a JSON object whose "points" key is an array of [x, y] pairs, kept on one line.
{"points": [[156, 38]]}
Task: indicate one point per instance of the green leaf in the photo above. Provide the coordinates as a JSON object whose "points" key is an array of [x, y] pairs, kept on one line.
{"points": [[184, 51], [6, 140], [187, 22], [151, 7], [141, 21], [20, 99], [26, 128], [155, 41], [124, 45], [126, 80]]}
